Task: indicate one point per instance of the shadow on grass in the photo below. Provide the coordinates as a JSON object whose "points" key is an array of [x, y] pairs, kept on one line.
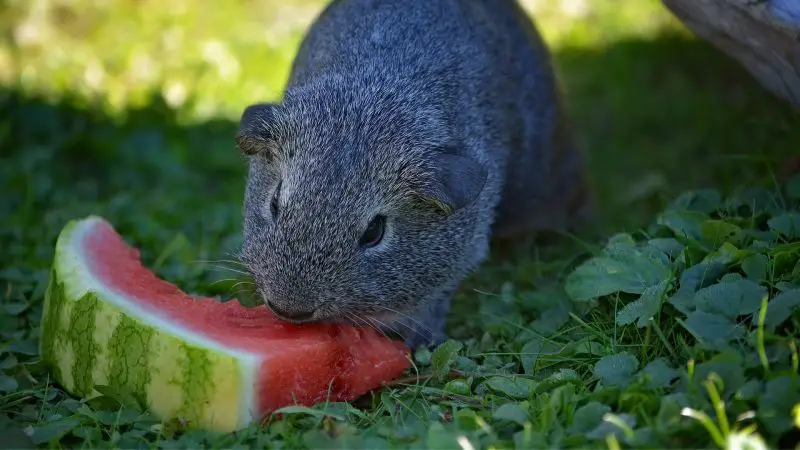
{"points": [[172, 190], [662, 116]]}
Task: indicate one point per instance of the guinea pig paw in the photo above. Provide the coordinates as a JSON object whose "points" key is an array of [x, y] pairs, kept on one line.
{"points": [[416, 340]]}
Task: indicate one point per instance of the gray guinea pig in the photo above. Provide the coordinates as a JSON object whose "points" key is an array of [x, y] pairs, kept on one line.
{"points": [[410, 134]]}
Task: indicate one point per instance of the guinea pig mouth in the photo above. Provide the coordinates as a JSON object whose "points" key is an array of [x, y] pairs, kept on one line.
{"points": [[291, 316], [306, 315]]}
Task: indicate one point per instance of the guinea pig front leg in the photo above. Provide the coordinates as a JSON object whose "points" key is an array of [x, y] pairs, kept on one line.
{"points": [[425, 327]]}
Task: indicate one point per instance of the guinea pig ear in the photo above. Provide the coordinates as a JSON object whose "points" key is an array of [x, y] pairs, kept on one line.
{"points": [[258, 130], [456, 181]]}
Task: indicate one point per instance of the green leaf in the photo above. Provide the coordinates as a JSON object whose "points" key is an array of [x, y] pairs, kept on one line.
{"points": [[315, 438], [793, 187], [314, 412], [588, 417], [606, 428], [7, 383], [754, 201], [549, 296], [702, 200], [550, 321], [341, 437], [123, 416], [622, 239], [751, 390], [12, 437], [444, 356], [535, 349], [16, 308], [779, 309], [784, 286], [727, 254], [560, 378], [713, 329], [669, 246], [465, 364], [88, 433], [775, 405], [459, 386], [645, 307], [756, 267], [389, 404], [466, 418], [121, 395], [8, 362], [131, 439], [659, 374], [645, 437], [731, 299], [621, 268], [423, 356], [701, 274], [441, 438], [685, 224], [25, 347], [785, 258], [732, 277], [528, 439], [562, 398], [514, 412], [718, 231], [500, 313], [513, 387], [617, 369], [669, 411], [52, 431], [728, 366], [787, 224]]}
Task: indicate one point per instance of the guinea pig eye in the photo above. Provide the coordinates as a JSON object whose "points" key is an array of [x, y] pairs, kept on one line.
{"points": [[273, 204], [374, 233]]}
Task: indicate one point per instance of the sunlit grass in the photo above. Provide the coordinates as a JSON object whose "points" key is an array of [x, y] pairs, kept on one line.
{"points": [[210, 61]]}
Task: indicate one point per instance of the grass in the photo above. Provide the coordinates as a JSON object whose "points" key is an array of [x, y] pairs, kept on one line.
{"points": [[676, 328]]}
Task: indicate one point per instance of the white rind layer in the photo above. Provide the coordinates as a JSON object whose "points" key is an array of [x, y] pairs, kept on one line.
{"points": [[73, 270]]}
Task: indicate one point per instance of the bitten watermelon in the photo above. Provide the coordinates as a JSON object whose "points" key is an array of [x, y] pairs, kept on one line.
{"points": [[110, 321]]}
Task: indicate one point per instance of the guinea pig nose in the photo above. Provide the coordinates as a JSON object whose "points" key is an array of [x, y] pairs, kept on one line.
{"points": [[296, 316]]}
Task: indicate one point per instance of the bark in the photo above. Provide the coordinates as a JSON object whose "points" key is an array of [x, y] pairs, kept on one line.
{"points": [[762, 35]]}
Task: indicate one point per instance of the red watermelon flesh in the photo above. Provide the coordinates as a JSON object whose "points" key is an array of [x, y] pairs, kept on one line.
{"points": [[271, 363]]}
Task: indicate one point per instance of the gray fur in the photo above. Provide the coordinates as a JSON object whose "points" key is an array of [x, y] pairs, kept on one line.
{"points": [[444, 116]]}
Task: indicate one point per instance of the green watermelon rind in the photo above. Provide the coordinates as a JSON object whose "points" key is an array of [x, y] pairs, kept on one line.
{"points": [[93, 335]]}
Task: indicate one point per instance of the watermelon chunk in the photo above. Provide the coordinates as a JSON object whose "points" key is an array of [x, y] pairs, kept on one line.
{"points": [[110, 321]]}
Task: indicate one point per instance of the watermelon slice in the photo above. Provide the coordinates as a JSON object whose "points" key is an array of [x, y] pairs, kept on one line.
{"points": [[110, 321]]}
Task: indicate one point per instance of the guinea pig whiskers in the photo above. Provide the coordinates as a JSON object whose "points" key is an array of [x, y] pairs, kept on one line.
{"points": [[217, 261], [240, 283], [222, 280], [357, 320], [381, 330], [227, 265], [360, 321], [422, 328], [377, 323], [231, 269], [413, 325]]}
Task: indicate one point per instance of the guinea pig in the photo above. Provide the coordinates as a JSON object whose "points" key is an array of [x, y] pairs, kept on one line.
{"points": [[409, 135]]}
